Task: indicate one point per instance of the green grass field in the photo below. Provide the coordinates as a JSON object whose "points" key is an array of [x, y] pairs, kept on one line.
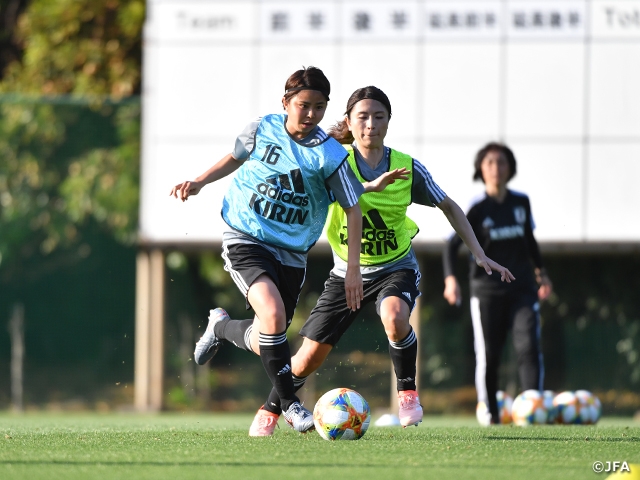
{"points": [[216, 446]]}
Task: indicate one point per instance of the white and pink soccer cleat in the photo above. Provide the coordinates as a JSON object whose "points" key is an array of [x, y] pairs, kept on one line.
{"points": [[264, 423], [410, 411]]}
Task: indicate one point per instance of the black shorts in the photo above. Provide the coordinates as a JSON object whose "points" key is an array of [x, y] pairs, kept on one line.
{"points": [[245, 262], [331, 317]]}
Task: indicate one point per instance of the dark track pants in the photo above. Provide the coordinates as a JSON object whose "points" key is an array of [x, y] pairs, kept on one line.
{"points": [[492, 316]]}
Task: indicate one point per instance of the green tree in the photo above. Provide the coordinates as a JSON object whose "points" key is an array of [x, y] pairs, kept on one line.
{"points": [[10, 51], [69, 130], [80, 47]]}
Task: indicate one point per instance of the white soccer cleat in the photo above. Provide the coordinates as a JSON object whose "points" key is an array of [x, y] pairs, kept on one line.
{"points": [[208, 345], [299, 418]]}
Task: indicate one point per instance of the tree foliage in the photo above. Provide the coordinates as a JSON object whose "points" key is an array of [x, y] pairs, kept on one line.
{"points": [[69, 130], [84, 47], [10, 51]]}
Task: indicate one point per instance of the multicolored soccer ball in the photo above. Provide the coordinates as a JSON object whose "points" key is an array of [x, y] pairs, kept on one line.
{"points": [[341, 414], [504, 410], [590, 407], [528, 409], [568, 407], [552, 411], [505, 407]]}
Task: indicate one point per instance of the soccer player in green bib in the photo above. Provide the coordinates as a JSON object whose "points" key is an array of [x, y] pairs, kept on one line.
{"points": [[388, 263]]}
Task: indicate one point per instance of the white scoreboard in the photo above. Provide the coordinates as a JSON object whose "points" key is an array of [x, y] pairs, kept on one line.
{"points": [[558, 81]]}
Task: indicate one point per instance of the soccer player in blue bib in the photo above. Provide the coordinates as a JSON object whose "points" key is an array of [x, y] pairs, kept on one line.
{"points": [[388, 263], [502, 221], [287, 173]]}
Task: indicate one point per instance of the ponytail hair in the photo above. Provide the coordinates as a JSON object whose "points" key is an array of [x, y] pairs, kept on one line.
{"points": [[340, 130]]}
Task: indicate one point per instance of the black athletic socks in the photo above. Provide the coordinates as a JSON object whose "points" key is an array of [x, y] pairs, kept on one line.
{"points": [[235, 331], [403, 356], [273, 402], [276, 359]]}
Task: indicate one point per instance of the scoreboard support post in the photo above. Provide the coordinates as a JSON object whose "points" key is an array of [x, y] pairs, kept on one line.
{"points": [[149, 334]]}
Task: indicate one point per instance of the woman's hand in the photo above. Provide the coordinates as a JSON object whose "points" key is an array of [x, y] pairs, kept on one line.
{"points": [[353, 288], [387, 178], [545, 285], [489, 266], [225, 166], [184, 190], [452, 291]]}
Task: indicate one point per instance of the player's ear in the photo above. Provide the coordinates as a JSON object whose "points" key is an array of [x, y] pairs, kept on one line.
{"points": [[285, 103]]}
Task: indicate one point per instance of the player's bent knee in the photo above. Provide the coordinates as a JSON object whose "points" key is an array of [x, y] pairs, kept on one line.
{"points": [[310, 357], [397, 328]]}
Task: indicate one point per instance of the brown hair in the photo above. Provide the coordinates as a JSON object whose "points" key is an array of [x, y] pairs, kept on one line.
{"points": [[309, 78], [494, 147], [340, 131]]}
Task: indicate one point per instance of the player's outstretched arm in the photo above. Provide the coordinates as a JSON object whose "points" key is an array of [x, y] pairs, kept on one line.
{"points": [[460, 224], [226, 166], [387, 178]]}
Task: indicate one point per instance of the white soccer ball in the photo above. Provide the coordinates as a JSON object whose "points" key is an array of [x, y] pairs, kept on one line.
{"points": [[568, 407], [528, 409], [590, 407], [552, 411], [341, 414]]}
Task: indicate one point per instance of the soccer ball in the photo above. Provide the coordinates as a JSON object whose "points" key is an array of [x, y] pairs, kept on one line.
{"points": [[504, 410], [590, 407], [568, 407], [341, 414], [505, 407], [552, 411], [528, 409]]}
